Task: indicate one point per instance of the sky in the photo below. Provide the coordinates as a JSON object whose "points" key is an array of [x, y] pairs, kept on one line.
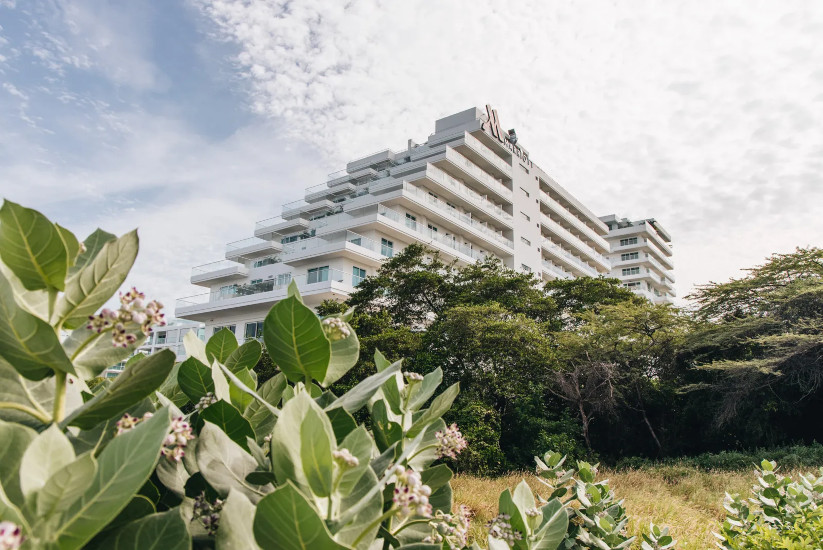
{"points": [[192, 119]]}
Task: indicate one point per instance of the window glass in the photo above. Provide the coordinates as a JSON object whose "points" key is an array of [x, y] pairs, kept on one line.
{"points": [[358, 274], [386, 248], [318, 274], [254, 330], [625, 242], [629, 256]]}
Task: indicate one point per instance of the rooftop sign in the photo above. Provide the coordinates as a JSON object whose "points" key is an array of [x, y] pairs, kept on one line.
{"points": [[493, 128]]}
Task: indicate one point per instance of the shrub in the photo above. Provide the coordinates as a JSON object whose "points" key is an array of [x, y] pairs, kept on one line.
{"points": [[782, 513], [281, 463]]}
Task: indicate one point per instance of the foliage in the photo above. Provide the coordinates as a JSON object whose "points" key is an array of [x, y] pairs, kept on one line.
{"points": [[782, 513], [790, 456], [282, 463]]}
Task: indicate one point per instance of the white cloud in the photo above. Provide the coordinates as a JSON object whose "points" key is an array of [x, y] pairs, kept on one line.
{"points": [[701, 114]]}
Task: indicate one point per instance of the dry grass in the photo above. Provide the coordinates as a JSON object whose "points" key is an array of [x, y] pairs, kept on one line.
{"points": [[687, 500]]}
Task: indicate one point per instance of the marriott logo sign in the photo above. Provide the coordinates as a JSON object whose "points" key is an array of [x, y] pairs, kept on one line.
{"points": [[493, 128]]}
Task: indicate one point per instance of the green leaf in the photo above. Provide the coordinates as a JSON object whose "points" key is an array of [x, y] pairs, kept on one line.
{"points": [[220, 372], [553, 528], [225, 465], [426, 389], [49, 452], [386, 432], [221, 384], [92, 353], [16, 439], [316, 444], [380, 360], [240, 398], [359, 395], [341, 422], [359, 444], [171, 389], [195, 347], [65, 485], [221, 345], [136, 382], [438, 408], [195, 379], [296, 341], [259, 416], [523, 497], [93, 243], [507, 506], [123, 467], [15, 389], [90, 288], [173, 475], [35, 302], [229, 419], [31, 246], [292, 290], [27, 342], [285, 520], [69, 243], [244, 357], [236, 524], [164, 531], [344, 354]]}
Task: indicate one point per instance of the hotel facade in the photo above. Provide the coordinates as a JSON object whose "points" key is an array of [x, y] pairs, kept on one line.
{"points": [[468, 192]]}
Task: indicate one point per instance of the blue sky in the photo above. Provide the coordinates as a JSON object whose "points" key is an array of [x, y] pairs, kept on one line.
{"points": [[192, 119]]}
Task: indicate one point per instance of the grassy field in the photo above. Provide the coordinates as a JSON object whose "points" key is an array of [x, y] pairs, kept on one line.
{"points": [[687, 500]]}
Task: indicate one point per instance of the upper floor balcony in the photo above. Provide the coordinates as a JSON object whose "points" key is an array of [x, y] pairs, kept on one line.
{"points": [[222, 270], [459, 166], [272, 228], [567, 259], [253, 247], [595, 240], [645, 231], [323, 191], [642, 243], [560, 232], [555, 271], [340, 243], [473, 149]]}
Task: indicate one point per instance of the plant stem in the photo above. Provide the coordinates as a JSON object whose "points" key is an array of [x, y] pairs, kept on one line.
{"points": [[408, 523], [420, 451], [59, 396], [389, 513], [44, 418]]}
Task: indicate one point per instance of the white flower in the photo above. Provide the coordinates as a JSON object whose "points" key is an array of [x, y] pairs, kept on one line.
{"points": [[345, 458], [11, 536], [205, 401], [500, 528], [410, 495], [413, 376], [335, 328], [450, 442]]}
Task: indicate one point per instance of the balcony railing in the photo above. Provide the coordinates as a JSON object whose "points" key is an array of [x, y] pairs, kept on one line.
{"points": [[245, 243], [463, 190], [331, 239], [236, 291], [557, 270], [443, 207], [214, 266], [478, 173], [428, 234], [578, 242], [573, 220], [586, 268], [490, 156]]}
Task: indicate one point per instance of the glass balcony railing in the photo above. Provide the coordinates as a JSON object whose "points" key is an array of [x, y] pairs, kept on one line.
{"points": [[578, 242], [214, 266], [490, 156], [462, 189], [477, 172], [586, 268], [331, 239], [557, 270], [304, 282], [245, 243], [560, 210], [428, 234], [443, 207]]}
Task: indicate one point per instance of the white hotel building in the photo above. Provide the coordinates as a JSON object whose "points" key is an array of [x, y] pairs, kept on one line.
{"points": [[470, 191]]}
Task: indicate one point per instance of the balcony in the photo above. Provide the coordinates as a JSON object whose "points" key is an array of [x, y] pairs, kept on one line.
{"points": [[575, 242], [314, 288], [222, 270], [574, 221], [473, 149], [341, 243], [318, 192], [567, 258], [273, 228], [248, 249], [648, 246], [556, 271], [641, 230], [461, 167]]}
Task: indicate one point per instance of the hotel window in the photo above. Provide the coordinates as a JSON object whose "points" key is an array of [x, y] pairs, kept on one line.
{"points": [[525, 241], [432, 228], [283, 279], [631, 271], [256, 281], [161, 338], [450, 205], [629, 256], [228, 290], [219, 328], [528, 218], [357, 275], [318, 274], [386, 248], [525, 192], [254, 330], [631, 285], [525, 268], [626, 242], [265, 261], [411, 221]]}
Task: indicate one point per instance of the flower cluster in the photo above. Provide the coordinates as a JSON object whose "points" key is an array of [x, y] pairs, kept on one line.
{"points": [[207, 512], [335, 328], [133, 309], [410, 495], [413, 376], [500, 528], [11, 536], [533, 512], [451, 528], [205, 401], [175, 443], [450, 442], [344, 458], [128, 422]]}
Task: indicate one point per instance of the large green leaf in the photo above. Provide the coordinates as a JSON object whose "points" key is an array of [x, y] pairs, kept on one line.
{"points": [[238, 396], [195, 379], [296, 342], [225, 465], [93, 244], [367, 516], [49, 452], [70, 243], [32, 247], [260, 417], [426, 389], [221, 345], [164, 531], [359, 395], [90, 288], [553, 527], [316, 444], [285, 520], [236, 524], [344, 354], [517, 518], [92, 353], [65, 485], [136, 382], [15, 389], [230, 420], [171, 389], [123, 467], [244, 357], [16, 439], [27, 342], [441, 404]]}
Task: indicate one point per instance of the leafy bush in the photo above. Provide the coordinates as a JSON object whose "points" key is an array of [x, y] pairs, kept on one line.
{"points": [[781, 513], [791, 456], [278, 464]]}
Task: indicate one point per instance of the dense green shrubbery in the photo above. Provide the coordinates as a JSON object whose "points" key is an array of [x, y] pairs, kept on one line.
{"points": [[791, 456]]}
